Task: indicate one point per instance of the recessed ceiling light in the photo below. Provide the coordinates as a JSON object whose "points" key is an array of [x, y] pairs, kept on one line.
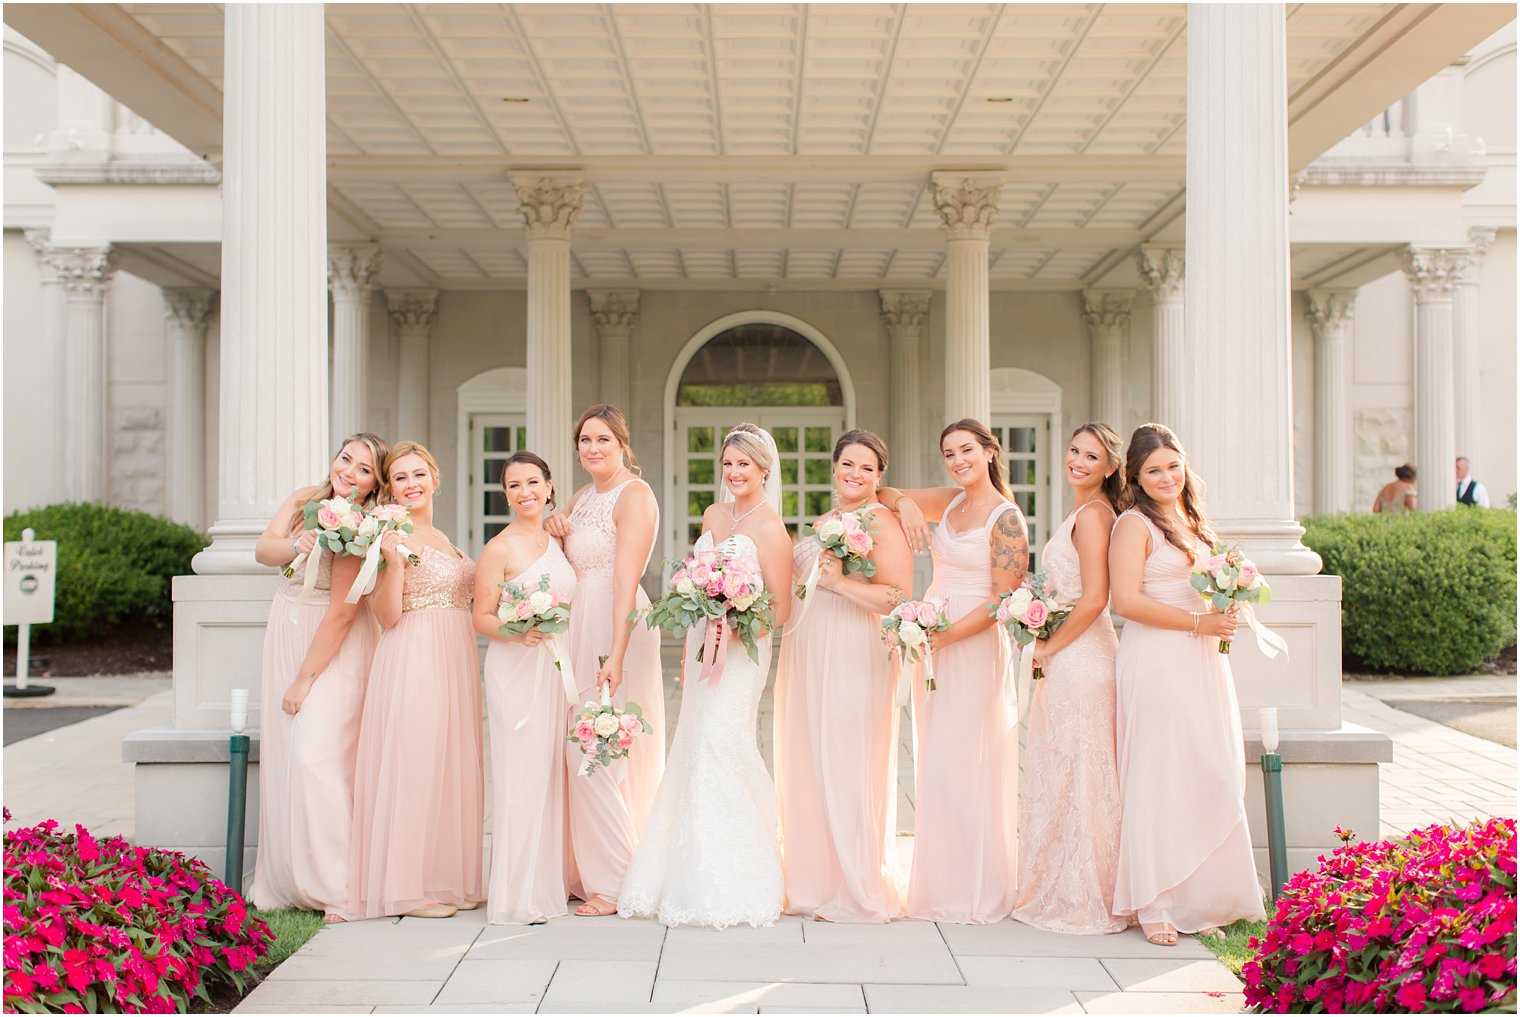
{"points": [[515, 98], [1000, 98]]}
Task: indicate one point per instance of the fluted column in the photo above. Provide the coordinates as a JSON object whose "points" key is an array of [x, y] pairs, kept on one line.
{"points": [[1235, 414], [1162, 269], [1332, 317], [549, 203], [187, 313], [413, 313], [274, 397], [84, 273], [615, 313], [52, 344], [906, 316], [967, 203], [1106, 314], [351, 276], [1466, 345], [1433, 273]]}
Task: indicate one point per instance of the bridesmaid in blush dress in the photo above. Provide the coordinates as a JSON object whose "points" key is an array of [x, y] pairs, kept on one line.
{"points": [[965, 844], [608, 533], [1069, 806], [317, 652], [1185, 862], [836, 713], [419, 797], [525, 701]]}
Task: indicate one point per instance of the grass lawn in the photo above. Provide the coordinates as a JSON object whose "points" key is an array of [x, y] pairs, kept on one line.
{"points": [[1232, 949], [291, 930]]}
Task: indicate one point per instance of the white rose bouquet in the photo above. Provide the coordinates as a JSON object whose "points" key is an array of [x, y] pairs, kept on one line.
{"points": [[1229, 578], [848, 536], [906, 633], [1031, 613], [336, 521], [604, 733], [365, 543]]}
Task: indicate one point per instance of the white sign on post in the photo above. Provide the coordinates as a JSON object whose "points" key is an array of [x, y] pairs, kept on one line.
{"points": [[31, 566]]}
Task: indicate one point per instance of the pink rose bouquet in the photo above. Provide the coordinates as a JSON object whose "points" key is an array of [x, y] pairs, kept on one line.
{"points": [[850, 537], [1031, 613], [522, 610], [604, 733], [336, 520], [906, 632], [1230, 578], [722, 591], [365, 543]]}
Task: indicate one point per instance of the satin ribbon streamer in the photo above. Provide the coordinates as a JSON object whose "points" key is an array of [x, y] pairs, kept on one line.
{"points": [[1269, 642], [809, 587], [366, 580], [555, 649], [714, 652], [309, 577]]}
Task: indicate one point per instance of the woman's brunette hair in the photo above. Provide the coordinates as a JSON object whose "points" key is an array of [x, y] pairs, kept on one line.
{"points": [[1113, 447], [1405, 472], [870, 439], [398, 450], [1147, 439], [378, 449], [532, 459], [616, 423], [988, 441]]}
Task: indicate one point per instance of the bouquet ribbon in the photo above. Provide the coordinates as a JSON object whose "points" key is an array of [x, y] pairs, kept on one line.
{"points": [[1269, 642], [366, 580], [809, 587], [559, 650], [309, 576], [714, 652]]}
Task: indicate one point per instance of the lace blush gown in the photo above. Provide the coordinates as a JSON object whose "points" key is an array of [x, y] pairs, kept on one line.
{"points": [[709, 854]]}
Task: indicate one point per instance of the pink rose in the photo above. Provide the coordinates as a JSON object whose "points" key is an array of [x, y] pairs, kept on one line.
{"points": [[858, 541], [1213, 564], [850, 523], [625, 741], [700, 574], [733, 583], [1036, 614], [328, 519], [1248, 574], [679, 575], [928, 614], [584, 731], [715, 588], [524, 610], [628, 722]]}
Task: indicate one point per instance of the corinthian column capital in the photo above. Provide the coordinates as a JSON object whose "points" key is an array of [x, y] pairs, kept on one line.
{"points": [[614, 312], [1330, 311], [549, 203], [966, 202], [352, 269], [189, 309], [1106, 309], [412, 309], [905, 311], [1433, 271], [1162, 269], [84, 271]]}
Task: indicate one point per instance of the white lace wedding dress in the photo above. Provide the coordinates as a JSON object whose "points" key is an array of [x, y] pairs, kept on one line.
{"points": [[709, 854]]}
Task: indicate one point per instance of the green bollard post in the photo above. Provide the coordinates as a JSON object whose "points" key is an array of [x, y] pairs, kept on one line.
{"points": [[237, 791], [1271, 779]]}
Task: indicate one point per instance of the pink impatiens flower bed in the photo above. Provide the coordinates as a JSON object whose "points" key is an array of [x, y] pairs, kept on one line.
{"points": [[1424, 924], [101, 926]]}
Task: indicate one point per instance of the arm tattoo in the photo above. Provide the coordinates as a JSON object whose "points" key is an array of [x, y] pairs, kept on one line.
{"points": [[1010, 545], [895, 595]]}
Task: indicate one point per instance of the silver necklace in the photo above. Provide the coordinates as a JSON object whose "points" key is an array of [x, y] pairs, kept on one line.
{"points": [[737, 518]]}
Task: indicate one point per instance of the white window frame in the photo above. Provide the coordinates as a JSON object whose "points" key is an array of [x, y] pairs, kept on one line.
{"points": [[501, 391], [1018, 392]]}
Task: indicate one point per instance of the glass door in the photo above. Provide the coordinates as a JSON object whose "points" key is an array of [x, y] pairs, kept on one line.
{"points": [[1026, 463], [493, 437]]}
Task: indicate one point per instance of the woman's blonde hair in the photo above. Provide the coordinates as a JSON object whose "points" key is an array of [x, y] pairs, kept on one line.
{"points": [[378, 449], [750, 441], [398, 450]]}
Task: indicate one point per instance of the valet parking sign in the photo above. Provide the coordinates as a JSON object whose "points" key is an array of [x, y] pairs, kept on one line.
{"points": [[31, 567]]}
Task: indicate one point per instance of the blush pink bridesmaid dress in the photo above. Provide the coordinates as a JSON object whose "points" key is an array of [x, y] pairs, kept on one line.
{"points": [[1069, 804], [419, 796], [1184, 850], [965, 844], [525, 703], [836, 758], [609, 808], [306, 762]]}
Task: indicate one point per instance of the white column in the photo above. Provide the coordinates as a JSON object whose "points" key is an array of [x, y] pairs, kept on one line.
{"points": [[187, 313], [85, 276], [967, 203], [1162, 269], [906, 315], [351, 275], [1433, 273], [413, 313], [1235, 413], [549, 203], [1106, 314], [274, 423], [615, 313], [52, 344], [1466, 347], [1332, 317]]}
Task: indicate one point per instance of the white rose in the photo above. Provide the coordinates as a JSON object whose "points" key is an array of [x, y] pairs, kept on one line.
{"points": [[369, 527], [743, 603], [911, 634], [606, 725], [540, 601], [1018, 602], [685, 587], [831, 530]]}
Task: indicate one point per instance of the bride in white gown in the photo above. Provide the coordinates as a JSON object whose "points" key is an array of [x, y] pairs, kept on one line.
{"points": [[709, 854]]}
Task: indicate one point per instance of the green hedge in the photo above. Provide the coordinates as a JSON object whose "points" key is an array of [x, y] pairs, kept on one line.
{"points": [[114, 565], [1424, 592]]}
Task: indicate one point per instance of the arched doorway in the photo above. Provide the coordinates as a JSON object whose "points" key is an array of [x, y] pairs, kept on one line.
{"points": [[772, 369], [492, 423]]}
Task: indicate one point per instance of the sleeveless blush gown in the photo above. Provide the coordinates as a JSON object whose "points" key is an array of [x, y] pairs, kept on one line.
{"points": [[836, 758], [306, 762], [1069, 806], [965, 846], [525, 702], [1184, 850], [419, 799]]}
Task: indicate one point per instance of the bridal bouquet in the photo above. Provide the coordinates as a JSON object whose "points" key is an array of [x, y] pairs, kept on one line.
{"points": [[1031, 613], [365, 543], [906, 633], [721, 591], [1230, 578], [848, 536], [336, 521], [605, 733]]}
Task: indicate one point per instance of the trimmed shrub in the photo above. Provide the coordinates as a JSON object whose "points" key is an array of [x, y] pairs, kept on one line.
{"points": [[1425, 924], [100, 926], [114, 565], [1424, 592]]}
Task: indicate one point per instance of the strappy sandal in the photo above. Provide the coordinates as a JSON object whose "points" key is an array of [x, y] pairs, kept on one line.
{"points": [[1160, 935], [596, 907]]}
